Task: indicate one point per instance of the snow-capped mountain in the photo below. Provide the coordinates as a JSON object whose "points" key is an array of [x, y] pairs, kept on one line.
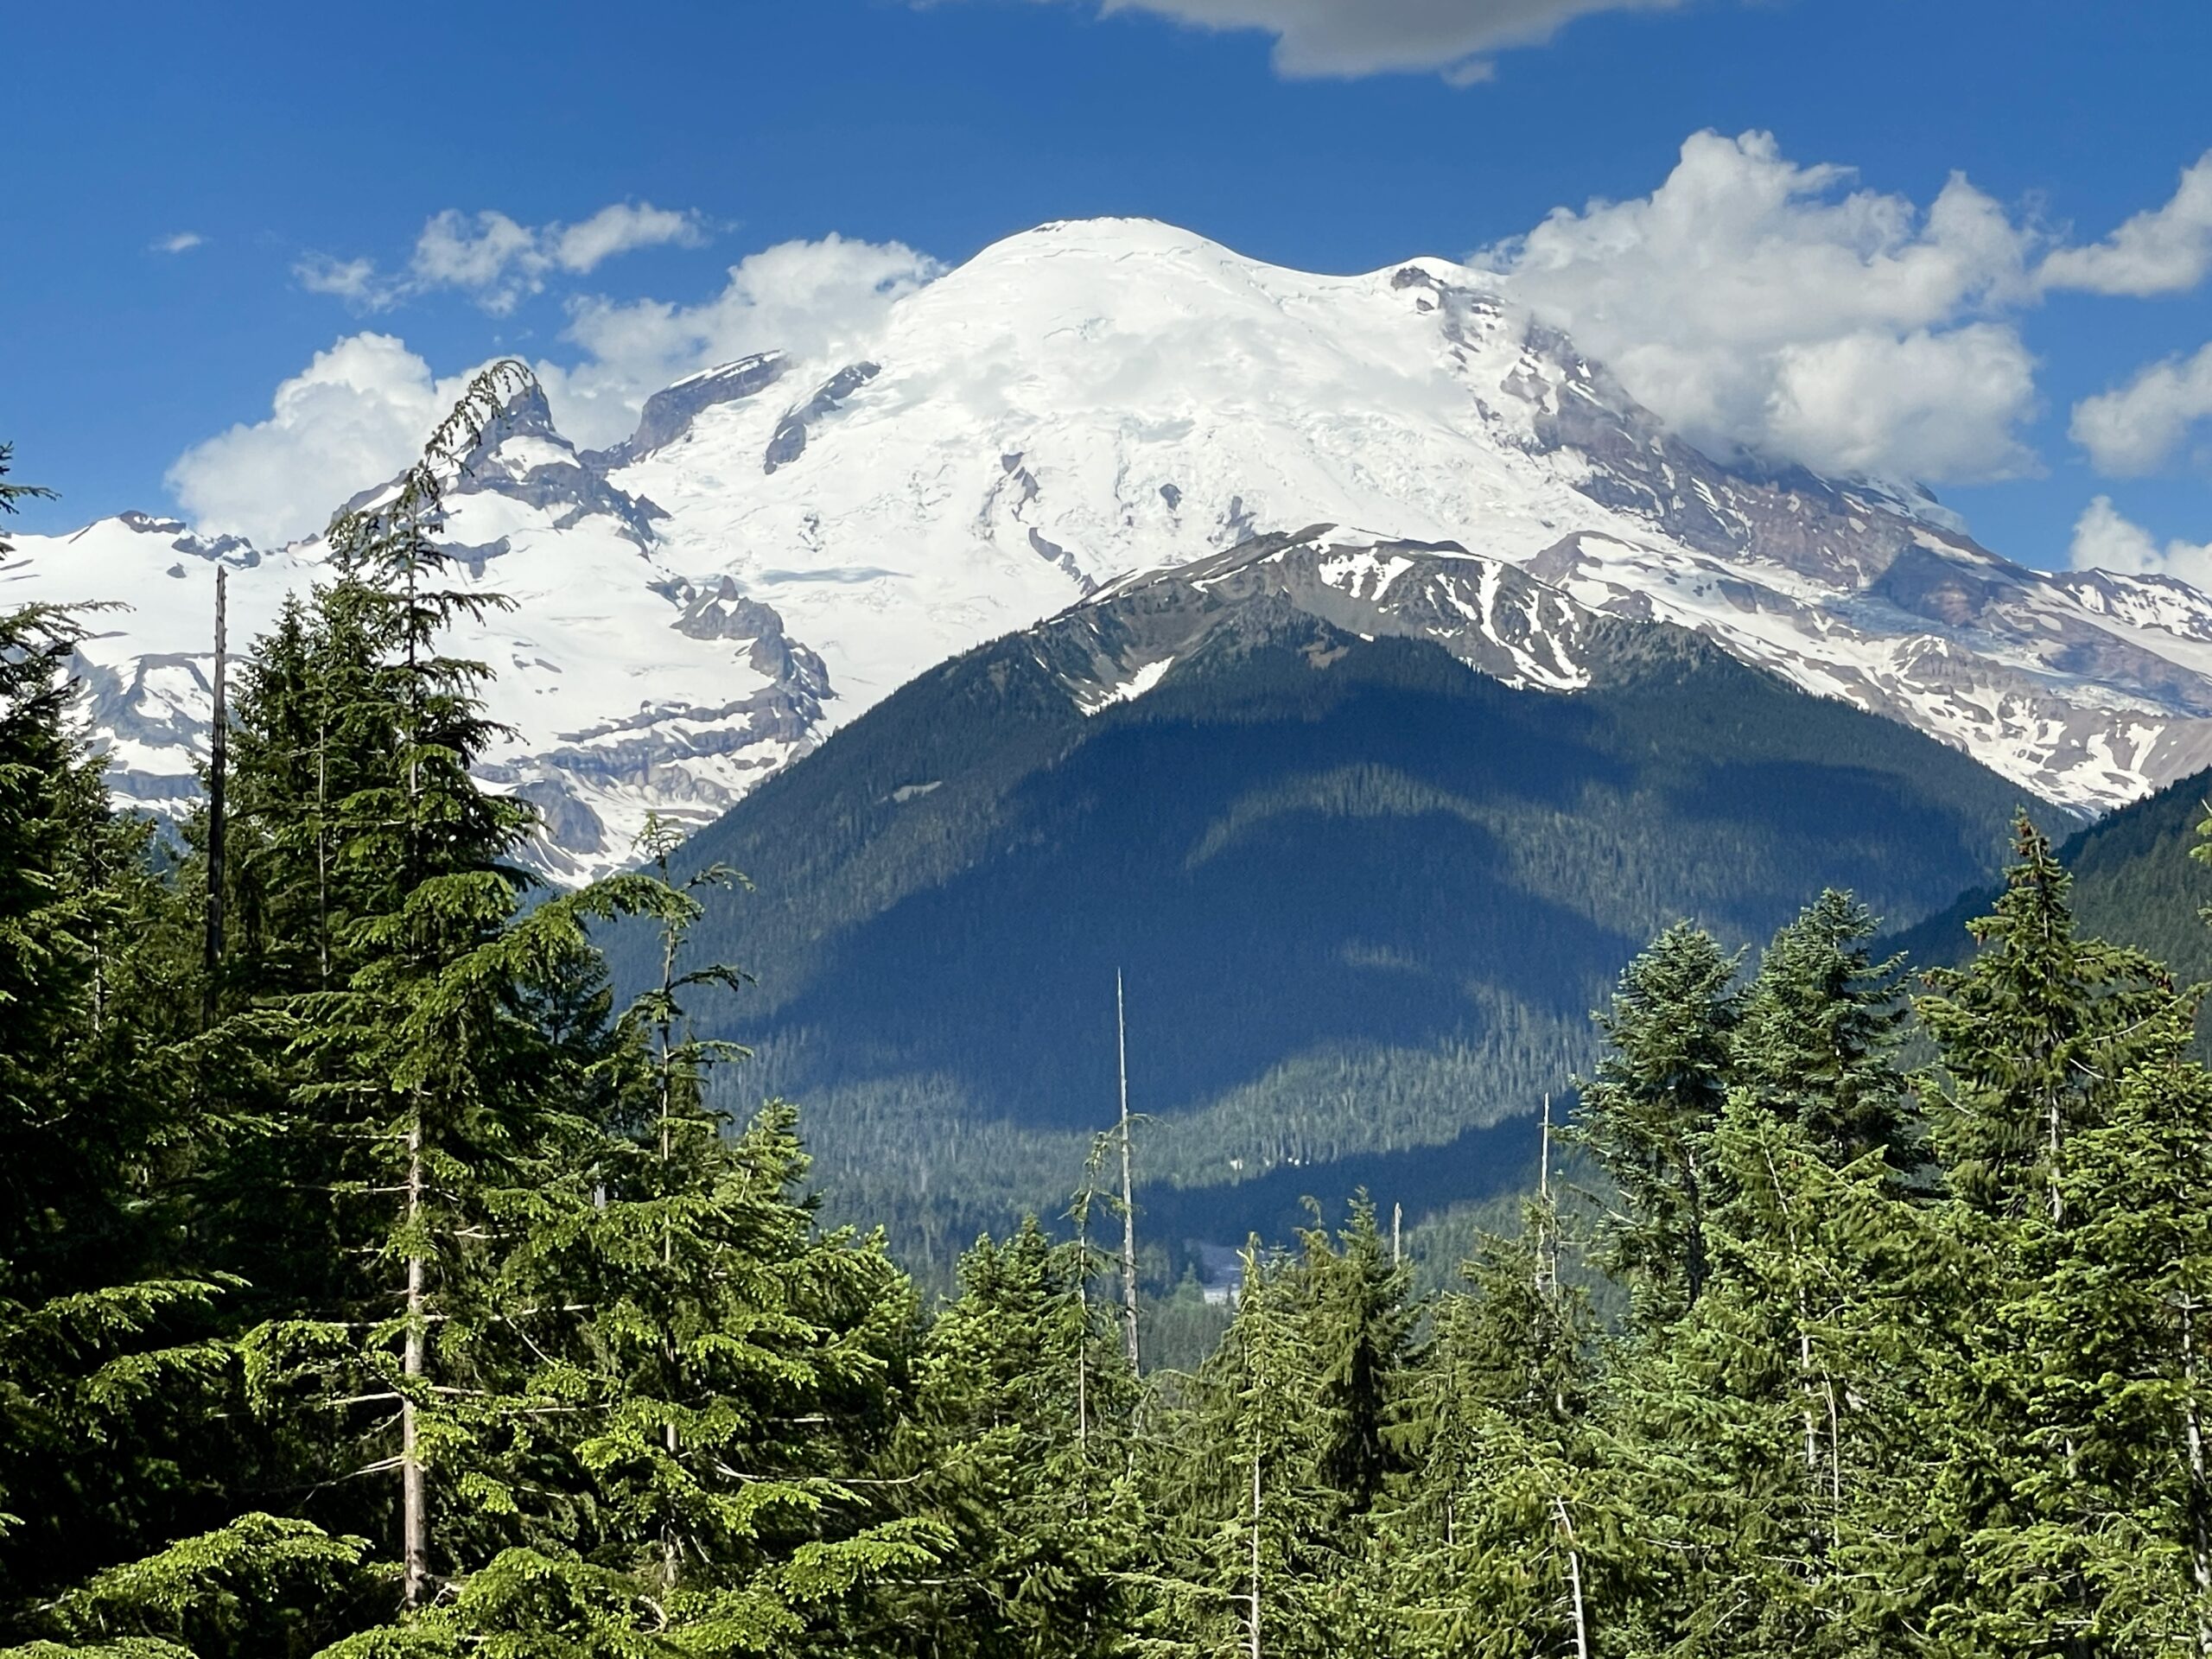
{"points": [[785, 540]]}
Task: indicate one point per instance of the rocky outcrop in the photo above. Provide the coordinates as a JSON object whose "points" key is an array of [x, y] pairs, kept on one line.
{"points": [[790, 440]]}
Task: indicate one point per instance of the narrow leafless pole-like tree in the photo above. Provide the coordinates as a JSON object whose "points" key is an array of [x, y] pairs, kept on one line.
{"points": [[1129, 1190], [219, 756]]}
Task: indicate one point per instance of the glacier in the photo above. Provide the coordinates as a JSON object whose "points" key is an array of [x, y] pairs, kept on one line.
{"points": [[785, 540]]}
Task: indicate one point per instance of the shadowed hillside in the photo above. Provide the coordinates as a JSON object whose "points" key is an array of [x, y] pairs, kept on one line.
{"points": [[1363, 896]]}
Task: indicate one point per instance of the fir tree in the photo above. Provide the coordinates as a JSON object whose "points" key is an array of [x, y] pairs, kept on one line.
{"points": [[1821, 1031], [427, 1061], [1645, 1112], [2035, 1033], [1359, 1323], [114, 1523], [1248, 1547], [1793, 1381], [1018, 1445], [1495, 1547], [2122, 1318]]}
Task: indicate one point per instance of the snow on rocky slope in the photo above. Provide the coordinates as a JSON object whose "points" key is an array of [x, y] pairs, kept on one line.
{"points": [[782, 542]]}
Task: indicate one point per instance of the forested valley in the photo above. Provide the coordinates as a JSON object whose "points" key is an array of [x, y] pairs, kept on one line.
{"points": [[375, 1281]]}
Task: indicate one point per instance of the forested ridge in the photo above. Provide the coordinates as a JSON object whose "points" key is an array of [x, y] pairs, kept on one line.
{"points": [[2134, 883], [1363, 896], [374, 1282]]}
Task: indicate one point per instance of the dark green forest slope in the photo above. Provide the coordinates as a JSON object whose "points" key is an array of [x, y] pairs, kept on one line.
{"points": [[1363, 899], [2134, 884]]}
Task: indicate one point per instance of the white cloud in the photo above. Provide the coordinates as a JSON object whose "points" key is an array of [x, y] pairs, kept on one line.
{"points": [[2137, 428], [2103, 540], [353, 416], [183, 241], [1932, 406], [488, 252], [617, 229], [811, 299], [1316, 38], [351, 280], [2165, 251], [360, 411], [1758, 304], [497, 259]]}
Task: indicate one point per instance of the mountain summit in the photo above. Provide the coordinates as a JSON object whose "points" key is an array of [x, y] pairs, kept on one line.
{"points": [[783, 540]]}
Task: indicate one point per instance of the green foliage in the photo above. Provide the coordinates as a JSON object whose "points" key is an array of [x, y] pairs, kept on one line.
{"points": [[1646, 1112], [1018, 1451], [1821, 1033], [2034, 1033], [423, 1300]]}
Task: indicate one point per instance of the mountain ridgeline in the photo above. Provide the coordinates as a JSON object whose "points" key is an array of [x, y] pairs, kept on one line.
{"points": [[2134, 884], [1363, 898], [783, 540]]}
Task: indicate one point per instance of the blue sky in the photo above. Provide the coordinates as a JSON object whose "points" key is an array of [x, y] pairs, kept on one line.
{"points": [[294, 142]]}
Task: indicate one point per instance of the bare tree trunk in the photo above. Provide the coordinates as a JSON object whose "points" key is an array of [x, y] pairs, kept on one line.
{"points": [[1082, 1348], [1694, 1271], [2193, 1430], [1804, 1352], [2057, 1198], [1805, 1375], [415, 1554], [2058, 1219], [219, 752], [1254, 1648], [1129, 1186], [670, 1553], [1836, 1453], [323, 846], [1573, 1578], [1807, 1382], [1547, 1246]]}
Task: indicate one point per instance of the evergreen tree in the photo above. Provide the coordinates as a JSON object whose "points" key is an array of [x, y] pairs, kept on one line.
{"points": [[1777, 1425], [1018, 1445], [2122, 1318], [2034, 1034], [1359, 1324], [1821, 1031], [114, 1519], [1496, 1546], [1646, 1111], [1247, 1547], [424, 1057]]}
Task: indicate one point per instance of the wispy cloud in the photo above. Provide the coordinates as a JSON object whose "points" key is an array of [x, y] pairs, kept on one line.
{"points": [[497, 260], [1347, 38], [182, 242], [352, 280]]}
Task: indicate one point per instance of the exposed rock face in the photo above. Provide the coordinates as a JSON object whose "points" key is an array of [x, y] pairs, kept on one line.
{"points": [[726, 614], [790, 440], [668, 414], [524, 459], [1496, 619]]}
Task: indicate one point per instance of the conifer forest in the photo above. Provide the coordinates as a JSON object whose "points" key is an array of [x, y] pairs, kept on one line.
{"points": [[381, 1275]]}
